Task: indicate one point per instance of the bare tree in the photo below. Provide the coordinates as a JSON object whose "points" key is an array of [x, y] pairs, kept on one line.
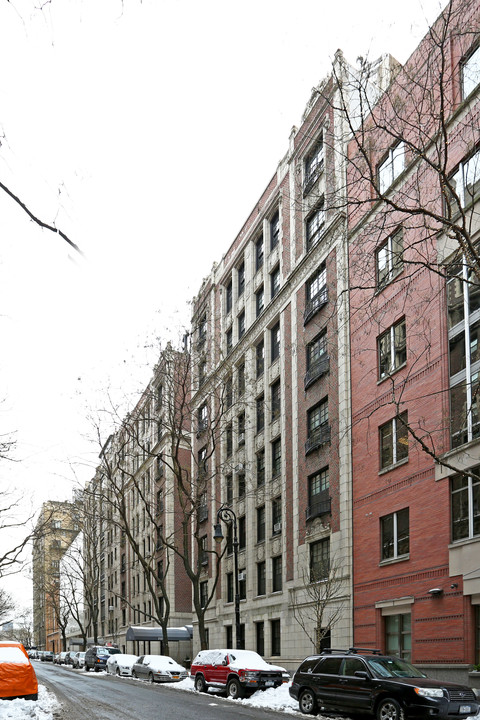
{"points": [[7, 606]]}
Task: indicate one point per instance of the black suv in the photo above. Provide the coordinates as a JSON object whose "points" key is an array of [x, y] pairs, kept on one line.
{"points": [[363, 681], [96, 657]]}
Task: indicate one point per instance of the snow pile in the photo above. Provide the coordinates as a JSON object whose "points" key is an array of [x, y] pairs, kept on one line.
{"points": [[19, 709]]}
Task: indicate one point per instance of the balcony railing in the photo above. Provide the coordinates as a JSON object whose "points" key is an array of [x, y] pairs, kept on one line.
{"points": [[318, 507], [316, 370], [317, 438], [315, 304]]}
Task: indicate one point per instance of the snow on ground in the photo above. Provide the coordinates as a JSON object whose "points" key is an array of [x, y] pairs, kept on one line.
{"points": [[42, 709]]}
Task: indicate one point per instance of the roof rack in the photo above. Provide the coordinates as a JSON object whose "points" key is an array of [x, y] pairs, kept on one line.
{"points": [[355, 650], [330, 651]]}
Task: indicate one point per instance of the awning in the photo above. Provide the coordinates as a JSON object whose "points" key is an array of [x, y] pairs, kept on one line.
{"points": [[136, 632]]}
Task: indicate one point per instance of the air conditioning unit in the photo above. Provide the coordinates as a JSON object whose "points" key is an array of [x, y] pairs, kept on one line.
{"points": [[242, 576], [277, 527], [241, 438]]}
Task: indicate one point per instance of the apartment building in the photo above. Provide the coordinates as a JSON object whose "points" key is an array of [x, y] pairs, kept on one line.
{"points": [[413, 231], [134, 580], [57, 526]]}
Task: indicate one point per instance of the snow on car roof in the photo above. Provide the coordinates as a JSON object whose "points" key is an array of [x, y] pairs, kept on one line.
{"points": [[162, 661], [240, 659], [122, 657]]}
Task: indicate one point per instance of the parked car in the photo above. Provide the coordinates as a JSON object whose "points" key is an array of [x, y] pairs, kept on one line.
{"points": [[47, 656], [79, 660], [59, 658], [360, 681], [17, 676], [240, 672], [71, 657], [96, 657], [158, 668], [121, 664]]}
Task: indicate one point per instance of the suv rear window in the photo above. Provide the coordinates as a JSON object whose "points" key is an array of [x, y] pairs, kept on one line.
{"points": [[308, 665]]}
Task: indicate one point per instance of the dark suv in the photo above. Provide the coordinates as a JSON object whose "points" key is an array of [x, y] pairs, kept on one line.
{"points": [[361, 681], [96, 657]]}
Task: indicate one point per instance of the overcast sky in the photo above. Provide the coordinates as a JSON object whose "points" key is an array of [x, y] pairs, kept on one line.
{"points": [[146, 131]]}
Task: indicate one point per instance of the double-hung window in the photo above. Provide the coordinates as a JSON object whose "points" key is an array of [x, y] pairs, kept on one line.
{"points": [[241, 325], [389, 259], [318, 494], [228, 297], [260, 358], [259, 253], [313, 165], [395, 535], [241, 278], [317, 358], [465, 506], [394, 441], [274, 230], [392, 349], [275, 342], [465, 182], [259, 301], [319, 560], [470, 73], [277, 574], [314, 225], [276, 457], [316, 291], [260, 403], [391, 167], [318, 428], [275, 400], [274, 282], [261, 467]]}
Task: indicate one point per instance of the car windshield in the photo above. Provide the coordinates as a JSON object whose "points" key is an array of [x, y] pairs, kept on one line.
{"points": [[392, 667]]}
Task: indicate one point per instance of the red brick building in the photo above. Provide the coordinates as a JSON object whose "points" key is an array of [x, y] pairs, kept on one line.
{"points": [[412, 180]]}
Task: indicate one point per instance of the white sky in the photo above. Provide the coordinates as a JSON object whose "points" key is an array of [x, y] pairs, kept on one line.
{"points": [[146, 131]]}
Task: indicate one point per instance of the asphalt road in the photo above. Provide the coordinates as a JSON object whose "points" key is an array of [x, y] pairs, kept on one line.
{"points": [[106, 697]]}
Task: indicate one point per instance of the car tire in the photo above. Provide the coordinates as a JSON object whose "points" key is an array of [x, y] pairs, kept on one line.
{"points": [[307, 702], [151, 679], [234, 689], [200, 684], [134, 674], [389, 709], [117, 672], [85, 667]]}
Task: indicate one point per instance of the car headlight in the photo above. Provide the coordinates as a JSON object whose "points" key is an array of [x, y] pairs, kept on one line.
{"points": [[429, 692], [250, 675]]}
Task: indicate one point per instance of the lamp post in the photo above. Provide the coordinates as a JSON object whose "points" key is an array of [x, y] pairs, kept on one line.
{"points": [[226, 514]]}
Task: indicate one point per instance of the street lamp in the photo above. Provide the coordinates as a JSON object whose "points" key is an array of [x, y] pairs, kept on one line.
{"points": [[226, 514]]}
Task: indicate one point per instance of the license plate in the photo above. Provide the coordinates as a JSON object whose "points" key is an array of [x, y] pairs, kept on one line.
{"points": [[175, 677], [465, 708], [269, 683]]}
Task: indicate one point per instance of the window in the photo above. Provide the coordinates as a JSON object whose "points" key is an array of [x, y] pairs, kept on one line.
{"points": [[242, 584], [277, 574], [228, 298], [241, 379], [229, 636], [316, 290], [241, 485], [202, 331], [275, 342], [229, 392], [317, 359], [274, 230], [204, 551], [318, 494], [395, 535], [259, 638], [465, 507], [392, 349], [229, 440], [259, 253], [202, 418], [275, 400], [241, 636], [259, 301], [314, 225], [242, 534], [319, 560], [260, 358], [318, 429], [229, 339], [203, 593], [463, 299], [313, 165], [391, 167], [241, 324], [398, 635], [394, 441], [230, 591], [260, 405], [465, 183], [261, 523], [275, 634], [471, 73], [274, 282], [389, 259], [261, 467], [261, 579], [229, 489], [241, 279], [241, 429], [202, 463], [276, 457], [277, 516]]}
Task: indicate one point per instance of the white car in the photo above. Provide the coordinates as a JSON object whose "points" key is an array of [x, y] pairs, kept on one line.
{"points": [[121, 664], [158, 668]]}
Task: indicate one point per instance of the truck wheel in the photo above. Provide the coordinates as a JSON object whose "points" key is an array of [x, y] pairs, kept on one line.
{"points": [[389, 709], [200, 684], [234, 689], [307, 702]]}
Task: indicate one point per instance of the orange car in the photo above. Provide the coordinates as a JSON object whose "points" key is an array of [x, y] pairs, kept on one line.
{"points": [[17, 676]]}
